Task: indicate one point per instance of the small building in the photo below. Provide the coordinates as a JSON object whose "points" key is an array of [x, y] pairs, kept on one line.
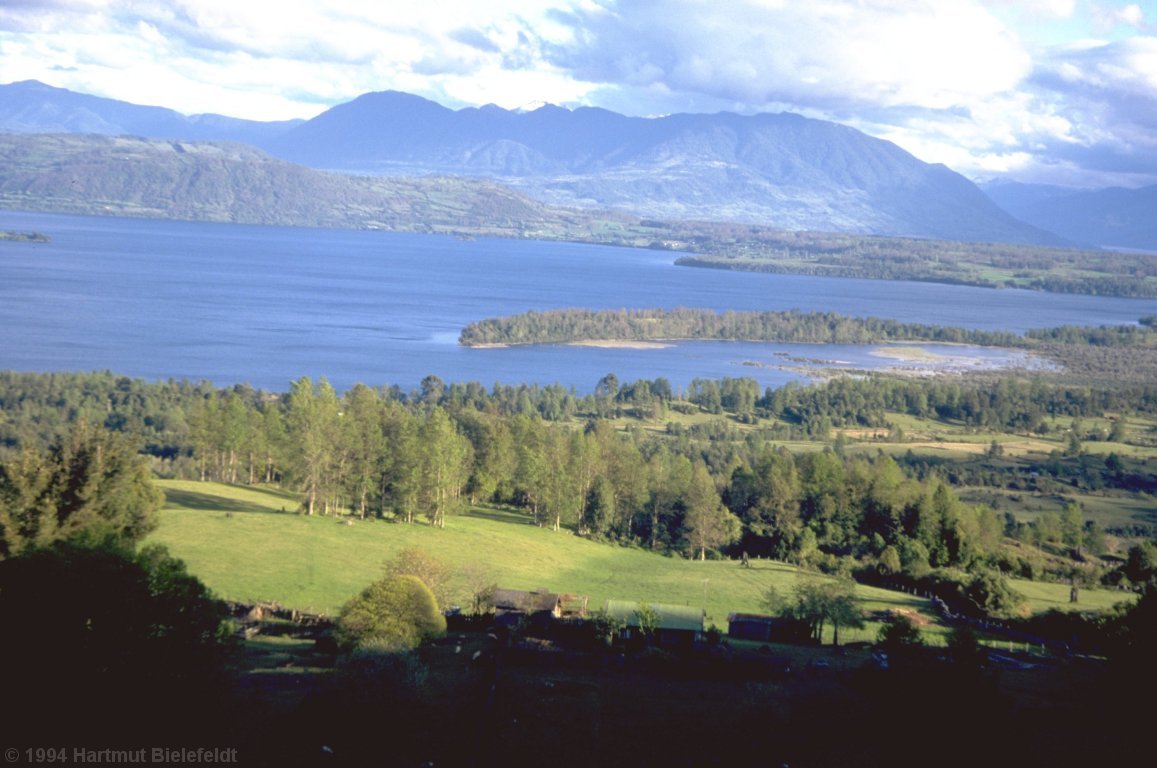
{"points": [[677, 625], [538, 606], [767, 629]]}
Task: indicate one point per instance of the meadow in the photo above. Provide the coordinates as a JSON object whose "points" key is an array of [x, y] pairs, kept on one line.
{"points": [[248, 544]]}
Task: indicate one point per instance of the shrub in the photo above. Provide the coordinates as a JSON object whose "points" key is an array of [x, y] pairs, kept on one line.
{"points": [[398, 612], [81, 624], [900, 636]]}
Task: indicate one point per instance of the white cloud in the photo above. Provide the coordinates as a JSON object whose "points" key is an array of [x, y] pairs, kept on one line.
{"points": [[976, 84], [877, 52], [1036, 9]]}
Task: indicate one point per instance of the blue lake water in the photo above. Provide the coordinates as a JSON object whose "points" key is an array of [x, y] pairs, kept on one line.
{"points": [[266, 305]]}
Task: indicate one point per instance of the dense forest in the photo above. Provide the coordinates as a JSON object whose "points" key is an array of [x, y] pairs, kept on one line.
{"points": [[566, 325], [790, 326], [704, 489]]}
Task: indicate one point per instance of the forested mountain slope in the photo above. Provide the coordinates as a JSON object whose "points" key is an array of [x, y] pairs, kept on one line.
{"points": [[236, 183]]}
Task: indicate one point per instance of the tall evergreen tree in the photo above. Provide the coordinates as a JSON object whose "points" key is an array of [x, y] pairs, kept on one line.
{"points": [[91, 486]]}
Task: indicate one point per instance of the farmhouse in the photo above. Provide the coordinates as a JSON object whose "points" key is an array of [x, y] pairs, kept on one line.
{"points": [[538, 606], [766, 629], [677, 625]]}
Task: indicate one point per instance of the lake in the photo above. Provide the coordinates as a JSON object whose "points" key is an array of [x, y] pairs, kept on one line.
{"points": [[266, 305]]}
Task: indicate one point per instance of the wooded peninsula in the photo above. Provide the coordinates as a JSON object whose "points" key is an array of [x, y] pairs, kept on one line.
{"points": [[1126, 351], [986, 265]]}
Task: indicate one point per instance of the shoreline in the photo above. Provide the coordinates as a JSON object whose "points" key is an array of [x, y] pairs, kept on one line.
{"points": [[624, 344]]}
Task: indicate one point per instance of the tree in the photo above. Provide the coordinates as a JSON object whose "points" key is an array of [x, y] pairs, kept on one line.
{"points": [[312, 422], [444, 466], [1071, 526], [92, 486], [774, 602], [495, 458], [560, 486], [397, 612], [889, 560], [90, 620], [899, 636], [364, 443], [649, 620], [401, 476], [842, 609], [707, 523], [669, 477], [1141, 563], [818, 601], [417, 562], [1118, 430], [599, 510]]}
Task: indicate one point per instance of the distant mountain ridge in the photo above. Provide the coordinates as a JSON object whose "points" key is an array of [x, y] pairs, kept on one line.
{"points": [[1106, 218], [778, 170], [782, 170], [30, 106], [237, 183]]}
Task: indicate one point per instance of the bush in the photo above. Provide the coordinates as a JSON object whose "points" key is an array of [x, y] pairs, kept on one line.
{"points": [[397, 612], [900, 636], [81, 624], [374, 675]]}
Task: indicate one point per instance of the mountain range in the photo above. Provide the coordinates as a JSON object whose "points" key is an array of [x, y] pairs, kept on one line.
{"points": [[779, 170], [1113, 217], [30, 106]]}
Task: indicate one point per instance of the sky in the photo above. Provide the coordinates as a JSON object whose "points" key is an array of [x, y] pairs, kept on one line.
{"points": [[1040, 91]]}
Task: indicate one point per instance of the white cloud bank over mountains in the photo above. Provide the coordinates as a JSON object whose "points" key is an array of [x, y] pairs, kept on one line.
{"points": [[1057, 91]]}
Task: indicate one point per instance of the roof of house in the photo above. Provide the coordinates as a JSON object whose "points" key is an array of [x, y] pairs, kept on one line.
{"points": [[527, 602], [678, 617], [751, 617]]}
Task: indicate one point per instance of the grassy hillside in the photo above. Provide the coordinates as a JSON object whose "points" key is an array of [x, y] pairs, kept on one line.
{"points": [[245, 545], [316, 564]]}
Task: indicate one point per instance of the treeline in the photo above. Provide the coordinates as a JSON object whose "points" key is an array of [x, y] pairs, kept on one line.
{"points": [[791, 326], [174, 420], [372, 455], [1007, 405], [427, 454]]}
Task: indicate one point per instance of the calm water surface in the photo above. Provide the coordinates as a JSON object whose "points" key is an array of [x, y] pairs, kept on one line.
{"points": [[266, 305]]}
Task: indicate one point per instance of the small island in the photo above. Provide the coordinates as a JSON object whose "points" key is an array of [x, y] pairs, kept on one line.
{"points": [[23, 237], [659, 326], [1081, 354]]}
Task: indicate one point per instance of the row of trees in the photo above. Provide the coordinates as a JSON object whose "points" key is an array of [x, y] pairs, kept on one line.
{"points": [[564, 325], [367, 453], [427, 454], [176, 419]]}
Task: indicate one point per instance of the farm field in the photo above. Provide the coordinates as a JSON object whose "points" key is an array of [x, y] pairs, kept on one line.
{"points": [[316, 564], [244, 545]]}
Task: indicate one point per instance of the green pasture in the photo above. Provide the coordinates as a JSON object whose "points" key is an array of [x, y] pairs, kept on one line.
{"points": [[242, 544], [259, 553], [1044, 596], [1109, 511]]}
